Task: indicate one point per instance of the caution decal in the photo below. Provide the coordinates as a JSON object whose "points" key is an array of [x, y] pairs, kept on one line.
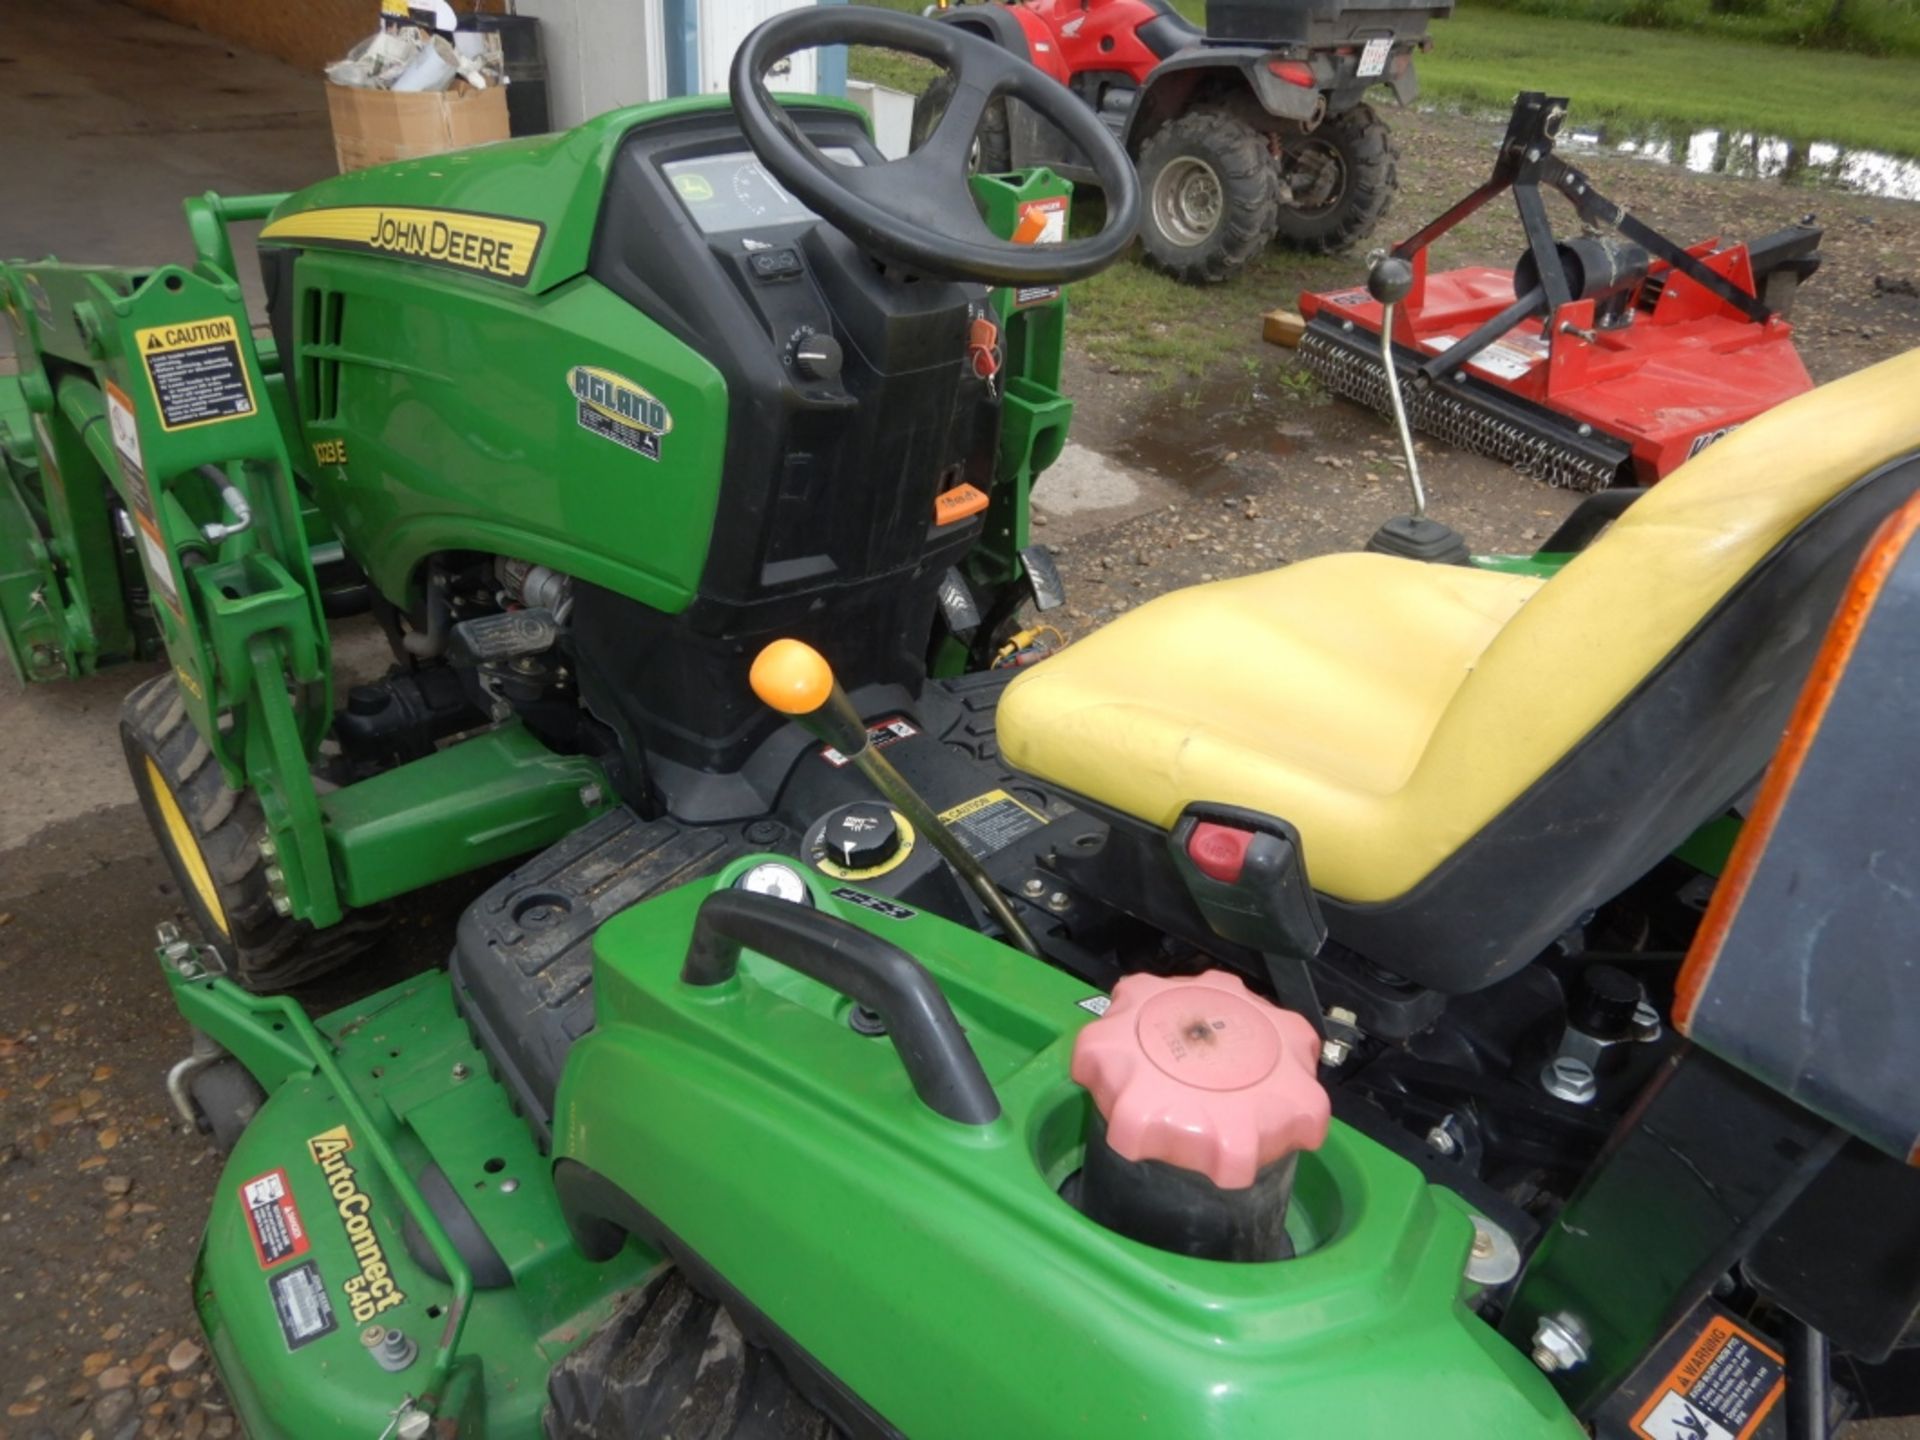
{"points": [[989, 823], [489, 245], [370, 1290], [197, 372]]}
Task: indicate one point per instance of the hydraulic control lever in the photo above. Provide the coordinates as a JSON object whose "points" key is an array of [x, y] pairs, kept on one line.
{"points": [[1388, 282], [1414, 536], [792, 677]]}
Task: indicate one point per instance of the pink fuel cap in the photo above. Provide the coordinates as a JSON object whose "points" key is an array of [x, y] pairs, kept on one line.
{"points": [[1199, 1072]]}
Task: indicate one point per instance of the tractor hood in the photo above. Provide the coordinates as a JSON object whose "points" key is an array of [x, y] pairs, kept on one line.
{"points": [[521, 212]]}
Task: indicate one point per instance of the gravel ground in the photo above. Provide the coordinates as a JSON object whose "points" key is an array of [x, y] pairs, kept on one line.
{"points": [[102, 1190]]}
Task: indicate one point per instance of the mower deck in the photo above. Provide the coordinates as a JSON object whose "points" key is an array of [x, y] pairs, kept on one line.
{"points": [[1637, 394], [312, 1236], [1595, 361]]}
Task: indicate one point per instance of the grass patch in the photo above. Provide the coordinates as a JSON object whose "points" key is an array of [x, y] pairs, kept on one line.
{"points": [[1484, 57], [1659, 79], [1872, 27]]}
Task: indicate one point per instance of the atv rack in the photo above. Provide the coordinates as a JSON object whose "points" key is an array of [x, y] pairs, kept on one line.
{"points": [[1565, 381]]}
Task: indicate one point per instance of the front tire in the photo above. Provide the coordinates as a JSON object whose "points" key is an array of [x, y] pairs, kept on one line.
{"points": [[672, 1365], [1343, 176], [210, 836], [1211, 196]]}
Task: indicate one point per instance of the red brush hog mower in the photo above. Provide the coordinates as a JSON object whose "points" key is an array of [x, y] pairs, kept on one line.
{"points": [[1595, 361]]}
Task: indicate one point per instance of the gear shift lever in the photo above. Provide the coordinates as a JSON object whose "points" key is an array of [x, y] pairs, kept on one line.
{"points": [[792, 677], [1414, 536]]}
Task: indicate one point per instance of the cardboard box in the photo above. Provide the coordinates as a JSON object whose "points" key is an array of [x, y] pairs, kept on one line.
{"points": [[371, 127]]}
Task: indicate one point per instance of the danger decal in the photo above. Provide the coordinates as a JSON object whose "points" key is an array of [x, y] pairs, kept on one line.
{"points": [[1722, 1389], [371, 1289], [196, 371], [490, 245], [614, 408], [273, 1219]]}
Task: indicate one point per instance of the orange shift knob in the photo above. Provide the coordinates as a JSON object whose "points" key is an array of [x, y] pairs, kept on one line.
{"points": [[792, 677]]}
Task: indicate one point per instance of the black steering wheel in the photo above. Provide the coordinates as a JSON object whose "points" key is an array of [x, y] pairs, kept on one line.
{"points": [[918, 211]]}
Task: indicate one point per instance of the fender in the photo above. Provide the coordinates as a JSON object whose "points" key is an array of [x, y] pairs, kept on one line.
{"points": [[1174, 80], [1013, 28]]}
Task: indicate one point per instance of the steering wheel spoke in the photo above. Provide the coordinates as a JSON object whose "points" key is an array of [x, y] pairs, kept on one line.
{"points": [[919, 211]]}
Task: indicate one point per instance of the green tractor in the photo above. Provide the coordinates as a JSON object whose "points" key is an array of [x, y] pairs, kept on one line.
{"points": [[882, 1037]]}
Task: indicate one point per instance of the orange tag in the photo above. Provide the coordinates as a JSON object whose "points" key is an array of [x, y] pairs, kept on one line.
{"points": [[983, 342], [958, 503]]}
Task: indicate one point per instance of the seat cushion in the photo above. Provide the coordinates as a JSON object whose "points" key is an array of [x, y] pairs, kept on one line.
{"points": [[1309, 692], [1389, 710]]}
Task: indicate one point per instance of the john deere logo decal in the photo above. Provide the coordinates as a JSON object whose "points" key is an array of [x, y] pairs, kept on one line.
{"points": [[490, 245], [616, 409]]}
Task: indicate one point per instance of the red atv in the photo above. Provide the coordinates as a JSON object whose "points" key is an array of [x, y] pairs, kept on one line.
{"points": [[1253, 128]]}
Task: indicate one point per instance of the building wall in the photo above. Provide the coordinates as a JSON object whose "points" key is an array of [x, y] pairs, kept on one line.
{"points": [[306, 33]]}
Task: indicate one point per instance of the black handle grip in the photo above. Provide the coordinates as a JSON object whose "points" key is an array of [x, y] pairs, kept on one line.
{"points": [[945, 1072], [1390, 279]]}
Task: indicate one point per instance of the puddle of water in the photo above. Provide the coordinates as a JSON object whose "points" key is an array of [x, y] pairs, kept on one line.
{"points": [[1193, 434], [1763, 157], [1746, 153]]}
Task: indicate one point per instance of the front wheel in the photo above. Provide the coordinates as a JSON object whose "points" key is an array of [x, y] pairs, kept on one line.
{"points": [[1211, 196], [1341, 176], [211, 836]]}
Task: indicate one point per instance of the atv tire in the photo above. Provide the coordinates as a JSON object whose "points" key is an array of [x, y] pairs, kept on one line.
{"points": [[1343, 175], [992, 142], [672, 1365], [1212, 198], [211, 836]]}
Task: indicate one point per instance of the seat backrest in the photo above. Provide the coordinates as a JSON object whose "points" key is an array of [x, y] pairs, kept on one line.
{"points": [[1673, 647]]}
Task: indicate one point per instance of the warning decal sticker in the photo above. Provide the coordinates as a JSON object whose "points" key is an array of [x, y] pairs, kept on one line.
{"points": [[1722, 1388], [1040, 222], [196, 371], [273, 1218], [300, 1302], [489, 245], [880, 734], [1512, 358], [146, 525], [989, 823]]}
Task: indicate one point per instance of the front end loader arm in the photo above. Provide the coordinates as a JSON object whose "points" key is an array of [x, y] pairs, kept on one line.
{"points": [[155, 377]]}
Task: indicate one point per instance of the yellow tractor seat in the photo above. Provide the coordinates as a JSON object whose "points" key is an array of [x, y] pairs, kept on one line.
{"points": [[1473, 758]]}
